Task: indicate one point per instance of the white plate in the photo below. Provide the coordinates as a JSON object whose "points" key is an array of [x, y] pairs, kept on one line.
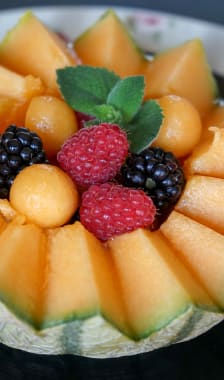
{"points": [[154, 31]]}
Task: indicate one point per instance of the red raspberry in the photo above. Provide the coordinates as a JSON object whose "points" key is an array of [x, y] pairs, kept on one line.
{"points": [[95, 154], [109, 209]]}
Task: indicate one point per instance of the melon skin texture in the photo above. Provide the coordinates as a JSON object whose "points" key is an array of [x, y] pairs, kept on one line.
{"points": [[96, 338]]}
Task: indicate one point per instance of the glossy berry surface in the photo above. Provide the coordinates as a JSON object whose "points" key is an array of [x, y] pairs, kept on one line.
{"points": [[95, 154], [19, 148], [158, 173], [109, 209]]}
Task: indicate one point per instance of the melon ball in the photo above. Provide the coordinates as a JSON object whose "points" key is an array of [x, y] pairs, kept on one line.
{"points": [[181, 127], [53, 120], [45, 194]]}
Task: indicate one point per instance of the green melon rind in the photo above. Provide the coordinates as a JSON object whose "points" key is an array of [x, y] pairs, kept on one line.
{"points": [[96, 338], [59, 319]]}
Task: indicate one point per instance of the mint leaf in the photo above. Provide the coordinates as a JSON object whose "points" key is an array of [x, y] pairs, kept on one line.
{"points": [[145, 126], [127, 96], [107, 113], [83, 87]]}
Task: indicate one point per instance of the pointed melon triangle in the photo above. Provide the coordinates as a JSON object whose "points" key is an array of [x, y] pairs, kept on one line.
{"points": [[108, 43], [22, 270], [201, 249], [155, 286], [184, 71], [32, 48]]}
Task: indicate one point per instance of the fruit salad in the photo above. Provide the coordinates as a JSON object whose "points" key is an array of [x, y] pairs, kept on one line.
{"points": [[110, 172]]}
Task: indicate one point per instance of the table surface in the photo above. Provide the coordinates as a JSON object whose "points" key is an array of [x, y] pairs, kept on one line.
{"points": [[201, 358]]}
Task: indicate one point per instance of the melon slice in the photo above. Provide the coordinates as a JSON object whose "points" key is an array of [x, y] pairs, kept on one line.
{"points": [[32, 48], [79, 278], [3, 222], [202, 200], [19, 87], [22, 263], [107, 43], [202, 251], [184, 71], [9, 213], [215, 117], [155, 286], [12, 111], [208, 156]]}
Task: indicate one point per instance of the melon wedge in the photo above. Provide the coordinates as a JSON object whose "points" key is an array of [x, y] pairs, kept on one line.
{"points": [[155, 286], [208, 156], [12, 111], [201, 249], [107, 43], [215, 117], [22, 270], [184, 71], [79, 280], [3, 222], [202, 200], [32, 48], [18, 86]]}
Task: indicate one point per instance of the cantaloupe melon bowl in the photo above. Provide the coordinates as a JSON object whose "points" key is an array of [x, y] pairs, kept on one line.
{"points": [[64, 290]]}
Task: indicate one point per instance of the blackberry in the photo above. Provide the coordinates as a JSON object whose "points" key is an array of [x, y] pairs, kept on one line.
{"points": [[159, 174], [19, 147]]}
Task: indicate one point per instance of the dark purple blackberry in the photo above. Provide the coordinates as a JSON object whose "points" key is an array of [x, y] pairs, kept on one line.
{"points": [[19, 147], [159, 174]]}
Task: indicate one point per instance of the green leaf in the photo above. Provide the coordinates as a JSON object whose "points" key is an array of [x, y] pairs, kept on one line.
{"points": [[83, 87], [127, 96], [107, 113], [145, 127]]}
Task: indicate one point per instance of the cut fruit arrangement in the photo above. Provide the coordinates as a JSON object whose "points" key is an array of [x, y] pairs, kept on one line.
{"points": [[111, 192]]}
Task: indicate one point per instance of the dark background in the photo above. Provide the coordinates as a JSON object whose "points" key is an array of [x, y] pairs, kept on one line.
{"points": [[211, 10], [201, 358]]}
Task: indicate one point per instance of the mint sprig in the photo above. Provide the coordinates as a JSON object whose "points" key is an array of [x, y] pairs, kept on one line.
{"points": [[145, 126], [84, 87], [108, 98], [127, 96]]}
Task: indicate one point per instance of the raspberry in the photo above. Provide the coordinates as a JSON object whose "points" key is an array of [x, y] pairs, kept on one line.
{"points": [[95, 154], [109, 209]]}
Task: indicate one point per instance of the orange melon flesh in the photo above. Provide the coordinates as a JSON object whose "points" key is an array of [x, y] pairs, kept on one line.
{"points": [[3, 222], [31, 48], [71, 289], [202, 200], [215, 117], [155, 286], [202, 251], [22, 263], [108, 44], [12, 111], [9, 213], [18, 86], [208, 156], [79, 280], [184, 71]]}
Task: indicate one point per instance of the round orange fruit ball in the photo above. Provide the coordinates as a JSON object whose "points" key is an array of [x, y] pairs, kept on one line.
{"points": [[181, 127], [53, 120], [45, 195]]}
